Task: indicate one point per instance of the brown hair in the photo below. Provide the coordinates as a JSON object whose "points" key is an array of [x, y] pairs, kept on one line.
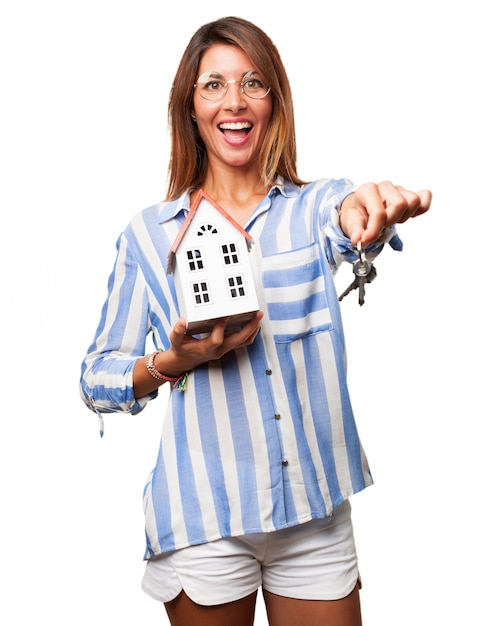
{"points": [[188, 160]]}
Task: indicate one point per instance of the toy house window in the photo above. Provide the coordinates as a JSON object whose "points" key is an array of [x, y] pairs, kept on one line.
{"points": [[230, 254], [236, 286], [206, 229], [201, 293], [195, 261]]}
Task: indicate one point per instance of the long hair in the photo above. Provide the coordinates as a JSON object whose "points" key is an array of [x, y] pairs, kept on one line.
{"points": [[188, 160]]}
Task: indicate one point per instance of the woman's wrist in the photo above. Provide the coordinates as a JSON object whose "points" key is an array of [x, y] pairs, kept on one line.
{"points": [[151, 366], [177, 381], [343, 209], [340, 213]]}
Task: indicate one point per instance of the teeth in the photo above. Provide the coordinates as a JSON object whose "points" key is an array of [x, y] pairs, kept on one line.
{"points": [[235, 125]]}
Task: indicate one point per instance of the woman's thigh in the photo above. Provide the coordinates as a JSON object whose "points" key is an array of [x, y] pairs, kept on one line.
{"points": [[284, 611], [184, 612]]}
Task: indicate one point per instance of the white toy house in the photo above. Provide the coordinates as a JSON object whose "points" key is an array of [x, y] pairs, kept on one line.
{"points": [[211, 267]]}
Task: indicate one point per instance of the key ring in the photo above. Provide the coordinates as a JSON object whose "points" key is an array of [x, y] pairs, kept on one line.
{"points": [[361, 252], [363, 267]]}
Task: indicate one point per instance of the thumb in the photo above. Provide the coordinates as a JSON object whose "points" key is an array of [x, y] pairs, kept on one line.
{"points": [[356, 235], [179, 331]]}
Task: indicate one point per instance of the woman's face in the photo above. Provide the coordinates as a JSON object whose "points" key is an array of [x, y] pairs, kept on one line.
{"points": [[233, 127]]}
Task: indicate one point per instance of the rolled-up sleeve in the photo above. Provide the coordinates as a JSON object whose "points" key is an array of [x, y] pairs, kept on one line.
{"points": [[106, 383]]}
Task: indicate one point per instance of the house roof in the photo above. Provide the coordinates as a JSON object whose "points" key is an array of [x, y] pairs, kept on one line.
{"points": [[191, 214], [189, 218]]}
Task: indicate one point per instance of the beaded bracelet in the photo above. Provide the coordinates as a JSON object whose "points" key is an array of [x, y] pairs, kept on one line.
{"points": [[178, 382]]}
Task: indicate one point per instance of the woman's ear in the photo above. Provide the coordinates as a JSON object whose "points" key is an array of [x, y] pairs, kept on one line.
{"points": [[193, 117]]}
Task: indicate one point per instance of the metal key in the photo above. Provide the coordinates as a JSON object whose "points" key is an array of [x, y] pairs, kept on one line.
{"points": [[364, 272]]}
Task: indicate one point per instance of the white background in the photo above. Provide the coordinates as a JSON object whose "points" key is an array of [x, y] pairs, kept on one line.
{"points": [[392, 89]]}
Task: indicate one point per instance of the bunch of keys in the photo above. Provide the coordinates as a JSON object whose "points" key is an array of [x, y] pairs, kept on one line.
{"points": [[364, 272]]}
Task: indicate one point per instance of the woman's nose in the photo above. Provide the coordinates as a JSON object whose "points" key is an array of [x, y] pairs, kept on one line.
{"points": [[234, 98]]}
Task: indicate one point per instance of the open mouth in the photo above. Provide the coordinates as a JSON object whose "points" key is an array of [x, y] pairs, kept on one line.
{"points": [[235, 129]]}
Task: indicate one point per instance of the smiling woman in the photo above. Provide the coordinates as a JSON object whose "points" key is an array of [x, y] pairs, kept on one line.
{"points": [[259, 451], [277, 154]]}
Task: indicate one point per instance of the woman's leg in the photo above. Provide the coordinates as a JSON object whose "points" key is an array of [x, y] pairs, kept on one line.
{"points": [[292, 612], [184, 612]]}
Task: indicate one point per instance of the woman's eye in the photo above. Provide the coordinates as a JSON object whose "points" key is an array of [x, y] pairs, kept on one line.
{"points": [[253, 84], [214, 85]]}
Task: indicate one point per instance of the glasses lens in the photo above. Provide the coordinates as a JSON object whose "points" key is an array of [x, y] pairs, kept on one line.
{"points": [[253, 86], [211, 86]]}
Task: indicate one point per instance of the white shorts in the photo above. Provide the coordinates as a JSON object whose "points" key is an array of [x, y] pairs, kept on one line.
{"points": [[312, 561]]}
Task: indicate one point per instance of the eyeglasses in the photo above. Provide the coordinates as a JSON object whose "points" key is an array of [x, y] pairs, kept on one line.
{"points": [[213, 86]]}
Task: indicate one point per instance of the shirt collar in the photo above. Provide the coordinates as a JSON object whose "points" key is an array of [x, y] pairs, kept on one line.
{"points": [[285, 187], [169, 210]]}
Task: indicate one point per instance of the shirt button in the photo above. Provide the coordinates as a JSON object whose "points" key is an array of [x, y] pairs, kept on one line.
{"points": [[277, 416], [285, 462], [268, 372]]}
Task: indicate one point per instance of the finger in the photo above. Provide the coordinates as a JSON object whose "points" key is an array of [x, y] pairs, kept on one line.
{"points": [[372, 213], [425, 197], [217, 334], [246, 334], [363, 210], [250, 328], [412, 204], [399, 202], [255, 324], [251, 338]]}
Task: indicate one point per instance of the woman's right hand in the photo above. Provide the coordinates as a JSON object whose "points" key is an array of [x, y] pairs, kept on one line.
{"points": [[187, 352]]}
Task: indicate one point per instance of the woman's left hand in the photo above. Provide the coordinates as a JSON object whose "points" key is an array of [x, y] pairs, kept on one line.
{"points": [[373, 207]]}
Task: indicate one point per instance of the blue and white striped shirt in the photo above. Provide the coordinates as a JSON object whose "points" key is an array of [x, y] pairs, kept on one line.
{"points": [[265, 437]]}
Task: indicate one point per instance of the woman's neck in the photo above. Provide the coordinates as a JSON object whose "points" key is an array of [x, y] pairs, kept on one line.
{"points": [[237, 194]]}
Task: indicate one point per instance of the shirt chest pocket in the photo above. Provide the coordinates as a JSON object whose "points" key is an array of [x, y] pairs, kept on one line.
{"points": [[294, 288]]}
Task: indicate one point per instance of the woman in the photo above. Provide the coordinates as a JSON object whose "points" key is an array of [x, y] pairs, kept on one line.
{"points": [[259, 451]]}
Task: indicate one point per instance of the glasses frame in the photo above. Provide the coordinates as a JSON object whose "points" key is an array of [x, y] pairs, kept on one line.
{"points": [[225, 82]]}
